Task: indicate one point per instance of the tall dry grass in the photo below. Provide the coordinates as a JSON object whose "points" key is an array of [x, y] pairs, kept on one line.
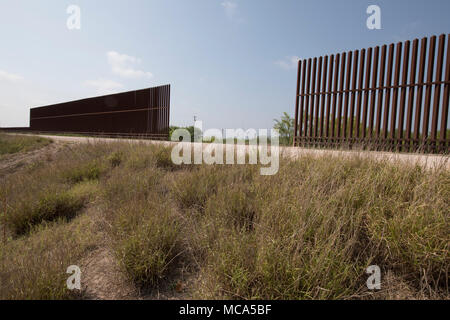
{"points": [[308, 232], [10, 144]]}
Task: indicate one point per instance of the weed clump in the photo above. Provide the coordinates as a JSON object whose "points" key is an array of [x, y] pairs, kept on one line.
{"points": [[149, 242], [50, 207], [84, 172], [308, 232], [115, 159], [10, 144]]}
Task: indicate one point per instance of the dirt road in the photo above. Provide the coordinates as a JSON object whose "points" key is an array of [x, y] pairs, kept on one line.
{"points": [[429, 161]]}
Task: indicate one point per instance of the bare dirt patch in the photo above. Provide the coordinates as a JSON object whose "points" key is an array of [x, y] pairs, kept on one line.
{"points": [[11, 163], [394, 287], [102, 279]]}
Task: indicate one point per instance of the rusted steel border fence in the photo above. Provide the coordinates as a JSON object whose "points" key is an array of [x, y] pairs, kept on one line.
{"points": [[376, 99], [142, 113]]}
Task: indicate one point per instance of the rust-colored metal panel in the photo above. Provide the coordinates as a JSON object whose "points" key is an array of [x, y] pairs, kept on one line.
{"points": [[341, 97], [302, 99], [437, 93], [335, 97], [360, 94], [429, 87], [395, 95], [443, 142], [390, 67], [366, 93], [317, 104], [373, 92], [401, 113], [307, 98], [329, 98], [353, 92], [391, 105], [347, 95], [419, 98], [412, 79], [324, 96], [297, 102], [130, 113], [380, 95], [312, 95]]}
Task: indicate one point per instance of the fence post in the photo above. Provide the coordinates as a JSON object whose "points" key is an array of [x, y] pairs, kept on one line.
{"points": [[393, 108], [297, 97]]}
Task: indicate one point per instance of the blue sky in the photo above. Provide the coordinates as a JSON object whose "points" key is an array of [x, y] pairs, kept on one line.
{"points": [[230, 62]]}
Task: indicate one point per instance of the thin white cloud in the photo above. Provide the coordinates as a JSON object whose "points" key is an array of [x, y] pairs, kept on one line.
{"points": [[104, 86], [230, 8], [124, 65], [288, 63], [10, 77]]}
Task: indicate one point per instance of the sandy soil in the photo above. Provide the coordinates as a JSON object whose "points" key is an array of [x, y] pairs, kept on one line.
{"points": [[102, 279], [11, 163]]}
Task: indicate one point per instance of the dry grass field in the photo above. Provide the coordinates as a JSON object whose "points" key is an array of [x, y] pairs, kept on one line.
{"points": [[140, 227], [10, 144]]}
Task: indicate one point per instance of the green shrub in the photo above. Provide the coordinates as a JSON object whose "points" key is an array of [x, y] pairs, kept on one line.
{"points": [[233, 207], [149, 242], [127, 185], [50, 207], [163, 158], [19, 143], [34, 267], [192, 189], [409, 215], [317, 225], [84, 172], [115, 159]]}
